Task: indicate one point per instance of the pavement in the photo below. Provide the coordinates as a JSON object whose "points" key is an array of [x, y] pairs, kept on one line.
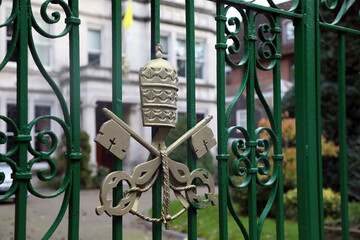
{"points": [[42, 212]]}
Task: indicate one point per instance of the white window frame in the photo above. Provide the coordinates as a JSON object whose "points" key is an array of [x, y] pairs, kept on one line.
{"points": [[43, 41], [288, 37], [166, 55], [181, 58], [95, 51], [241, 117], [203, 42], [172, 40]]}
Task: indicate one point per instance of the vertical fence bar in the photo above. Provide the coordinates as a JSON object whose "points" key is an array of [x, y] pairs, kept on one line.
{"points": [[22, 119], [308, 137], [190, 102], [342, 136], [250, 106], [116, 11], [156, 190], [222, 156], [277, 114], [75, 120]]}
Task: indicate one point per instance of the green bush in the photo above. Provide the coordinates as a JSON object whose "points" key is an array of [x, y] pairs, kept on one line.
{"points": [[354, 214], [331, 204], [86, 180], [354, 170]]}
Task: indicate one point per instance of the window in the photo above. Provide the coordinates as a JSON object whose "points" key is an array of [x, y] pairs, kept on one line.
{"points": [[199, 59], [181, 58], [42, 44], [10, 113], [292, 71], [228, 71], [42, 125], [164, 41], [289, 31], [9, 34], [241, 118], [94, 47]]}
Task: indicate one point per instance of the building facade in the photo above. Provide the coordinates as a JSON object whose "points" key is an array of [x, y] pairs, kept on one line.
{"points": [[96, 67]]}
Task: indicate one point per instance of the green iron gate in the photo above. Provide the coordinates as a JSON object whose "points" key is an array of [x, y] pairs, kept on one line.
{"points": [[307, 20]]}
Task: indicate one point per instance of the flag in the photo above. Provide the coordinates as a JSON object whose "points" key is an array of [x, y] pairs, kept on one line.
{"points": [[128, 17]]}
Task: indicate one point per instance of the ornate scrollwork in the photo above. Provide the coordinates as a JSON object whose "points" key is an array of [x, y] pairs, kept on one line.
{"points": [[267, 50], [45, 137], [235, 47], [332, 6], [55, 18], [242, 166]]}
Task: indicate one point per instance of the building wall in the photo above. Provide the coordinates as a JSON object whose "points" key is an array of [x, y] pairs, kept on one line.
{"points": [[95, 16]]}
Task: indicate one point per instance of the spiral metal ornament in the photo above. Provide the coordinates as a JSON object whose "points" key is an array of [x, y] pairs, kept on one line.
{"points": [[233, 36], [332, 6]]}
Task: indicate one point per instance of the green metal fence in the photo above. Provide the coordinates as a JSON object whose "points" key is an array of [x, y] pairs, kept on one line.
{"points": [[252, 153]]}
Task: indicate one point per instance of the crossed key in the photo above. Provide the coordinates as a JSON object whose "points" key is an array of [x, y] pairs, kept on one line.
{"points": [[115, 134]]}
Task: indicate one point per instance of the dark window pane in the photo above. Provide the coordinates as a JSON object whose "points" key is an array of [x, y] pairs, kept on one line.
{"points": [[10, 143], [94, 59], [11, 113], [199, 117], [9, 34], [199, 70], [43, 124], [181, 64]]}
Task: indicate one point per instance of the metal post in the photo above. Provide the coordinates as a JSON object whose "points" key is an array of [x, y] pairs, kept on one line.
{"points": [[117, 103], [156, 190], [278, 132], [22, 118], [250, 106], [342, 136], [75, 155], [190, 101], [222, 144], [308, 124]]}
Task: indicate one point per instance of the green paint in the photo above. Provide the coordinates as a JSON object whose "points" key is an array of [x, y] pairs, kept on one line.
{"points": [[222, 149], [75, 110], [342, 136], [156, 190], [22, 119], [116, 13], [308, 123], [278, 150], [190, 103]]}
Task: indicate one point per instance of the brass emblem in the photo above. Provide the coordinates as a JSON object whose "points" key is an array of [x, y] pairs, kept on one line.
{"points": [[158, 88]]}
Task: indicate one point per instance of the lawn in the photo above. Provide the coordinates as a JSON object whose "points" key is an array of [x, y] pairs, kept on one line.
{"points": [[208, 225]]}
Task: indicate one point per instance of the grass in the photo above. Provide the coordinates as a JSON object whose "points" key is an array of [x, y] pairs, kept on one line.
{"points": [[208, 224]]}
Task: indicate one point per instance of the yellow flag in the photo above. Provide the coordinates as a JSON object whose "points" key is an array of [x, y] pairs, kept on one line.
{"points": [[128, 17]]}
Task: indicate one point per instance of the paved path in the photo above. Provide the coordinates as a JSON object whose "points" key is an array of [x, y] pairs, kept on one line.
{"points": [[41, 213]]}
